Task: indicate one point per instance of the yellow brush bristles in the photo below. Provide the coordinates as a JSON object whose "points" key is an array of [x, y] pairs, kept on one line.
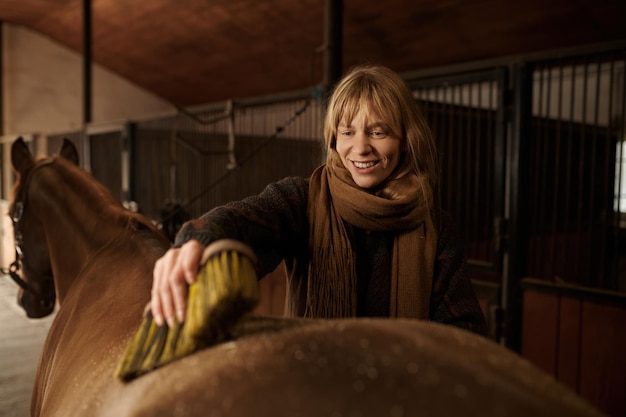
{"points": [[225, 289]]}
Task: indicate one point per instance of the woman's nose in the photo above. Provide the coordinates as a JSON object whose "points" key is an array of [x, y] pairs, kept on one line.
{"points": [[361, 143]]}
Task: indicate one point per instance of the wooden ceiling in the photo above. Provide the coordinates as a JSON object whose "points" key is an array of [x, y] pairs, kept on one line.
{"points": [[200, 51]]}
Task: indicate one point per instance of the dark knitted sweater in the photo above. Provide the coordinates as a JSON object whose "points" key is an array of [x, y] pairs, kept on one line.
{"points": [[274, 223]]}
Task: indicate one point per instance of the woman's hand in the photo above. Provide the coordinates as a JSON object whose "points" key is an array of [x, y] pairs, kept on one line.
{"points": [[173, 273]]}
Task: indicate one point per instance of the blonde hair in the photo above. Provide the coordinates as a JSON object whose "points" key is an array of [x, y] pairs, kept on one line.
{"points": [[386, 93]]}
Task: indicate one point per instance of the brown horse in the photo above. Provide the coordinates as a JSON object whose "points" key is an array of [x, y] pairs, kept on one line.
{"points": [[79, 243]]}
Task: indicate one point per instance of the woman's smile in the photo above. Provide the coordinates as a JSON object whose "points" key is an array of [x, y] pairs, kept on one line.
{"points": [[364, 165]]}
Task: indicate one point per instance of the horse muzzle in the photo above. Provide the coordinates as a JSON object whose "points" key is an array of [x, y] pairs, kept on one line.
{"points": [[36, 305]]}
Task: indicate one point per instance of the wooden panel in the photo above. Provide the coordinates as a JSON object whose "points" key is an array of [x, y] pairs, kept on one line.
{"points": [[569, 339], [539, 332], [586, 348], [603, 357], [106, 160]]}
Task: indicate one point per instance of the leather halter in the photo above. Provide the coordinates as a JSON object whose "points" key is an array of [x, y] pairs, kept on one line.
{"points": [[16, 217]]}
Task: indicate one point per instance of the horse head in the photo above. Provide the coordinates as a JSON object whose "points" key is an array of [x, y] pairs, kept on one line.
{"points": [[37, 293]]}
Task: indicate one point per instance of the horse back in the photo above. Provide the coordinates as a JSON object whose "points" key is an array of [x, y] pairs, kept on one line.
{"points": [[364, 367]]}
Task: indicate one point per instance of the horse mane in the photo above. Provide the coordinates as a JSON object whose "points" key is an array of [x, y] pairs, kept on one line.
{"points": [[106, 203], [102, 199]]}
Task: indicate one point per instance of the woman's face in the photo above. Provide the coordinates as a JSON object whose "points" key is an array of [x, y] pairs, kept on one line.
{"points": [[368, 148]]}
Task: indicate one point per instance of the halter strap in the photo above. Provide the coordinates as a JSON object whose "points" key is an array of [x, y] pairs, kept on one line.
{"points": [[12, 272], [16, 216]]}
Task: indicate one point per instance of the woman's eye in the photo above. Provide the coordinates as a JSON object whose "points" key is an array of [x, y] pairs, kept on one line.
{"points": [[378, 134], [346, 133]]}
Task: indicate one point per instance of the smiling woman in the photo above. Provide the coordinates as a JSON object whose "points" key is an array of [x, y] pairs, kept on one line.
{"points": [[361, 237]]}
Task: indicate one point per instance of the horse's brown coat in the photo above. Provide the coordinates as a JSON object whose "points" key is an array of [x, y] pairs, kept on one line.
{"points": [[102, 258]]}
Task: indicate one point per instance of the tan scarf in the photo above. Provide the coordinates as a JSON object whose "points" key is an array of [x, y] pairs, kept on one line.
{"points": [[403, 206]]}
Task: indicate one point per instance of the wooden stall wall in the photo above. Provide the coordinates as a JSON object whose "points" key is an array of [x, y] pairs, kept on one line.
{"points": [[577, 334]]}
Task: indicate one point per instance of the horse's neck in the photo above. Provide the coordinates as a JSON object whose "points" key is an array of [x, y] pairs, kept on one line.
{"points": [[76, 230]]}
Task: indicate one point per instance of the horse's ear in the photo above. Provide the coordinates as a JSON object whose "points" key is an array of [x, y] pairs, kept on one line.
{"points": [[21, 158], [68, 151]]}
